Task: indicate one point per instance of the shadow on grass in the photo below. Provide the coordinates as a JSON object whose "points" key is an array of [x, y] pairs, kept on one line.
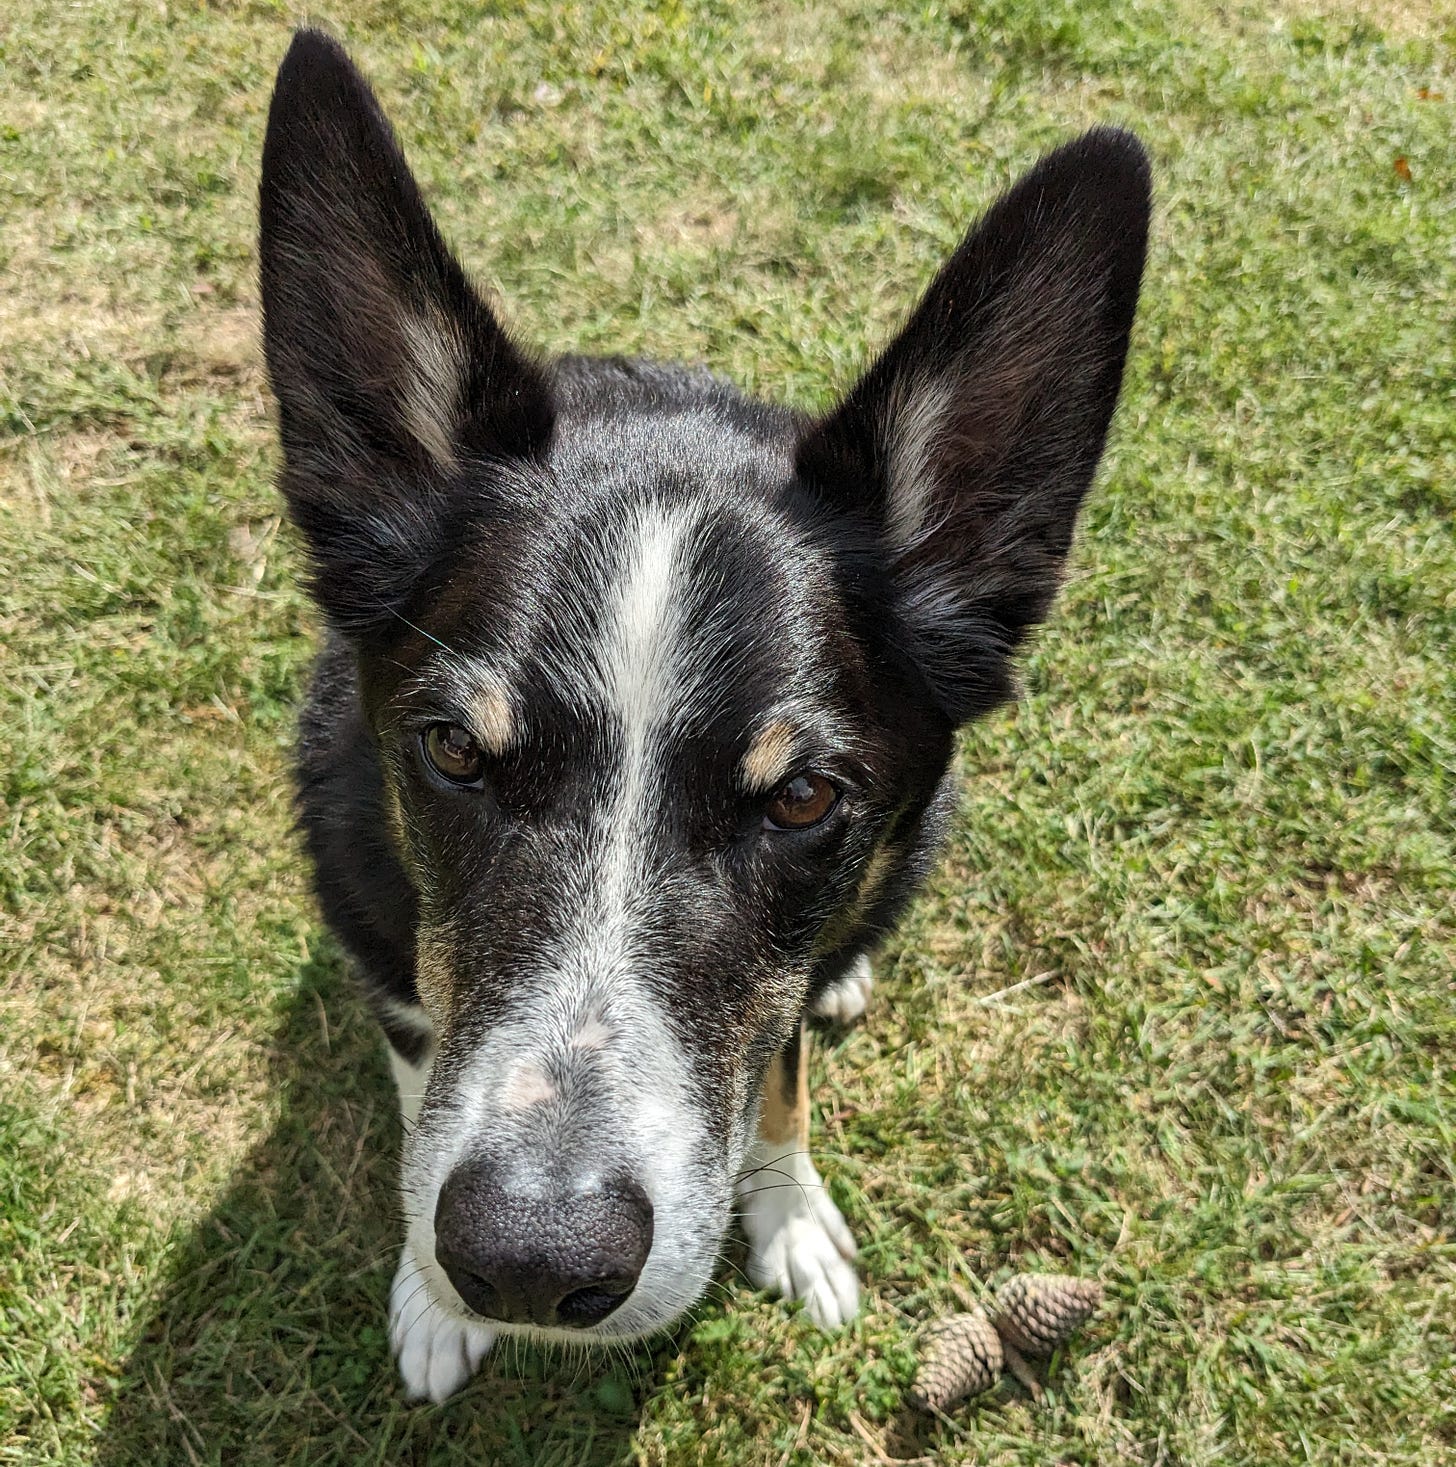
{"points": [[269, 1343]]}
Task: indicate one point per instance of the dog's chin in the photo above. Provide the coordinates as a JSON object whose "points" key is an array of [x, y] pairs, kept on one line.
{"points": [[625, 1325]]}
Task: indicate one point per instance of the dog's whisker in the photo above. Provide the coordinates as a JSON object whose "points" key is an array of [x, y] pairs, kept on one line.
{"points": [[400, 616], [421, 1288]]}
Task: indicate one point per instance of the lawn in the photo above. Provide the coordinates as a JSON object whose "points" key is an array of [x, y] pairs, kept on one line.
{"points": [[1178, 1011]]}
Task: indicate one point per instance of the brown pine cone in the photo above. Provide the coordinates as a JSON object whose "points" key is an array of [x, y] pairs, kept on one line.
{"points": [[960, 1356], [1034, 1313]]}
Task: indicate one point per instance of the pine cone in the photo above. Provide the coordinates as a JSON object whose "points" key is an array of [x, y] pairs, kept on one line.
{"points": [[1034, 1313], [960, 1356]]}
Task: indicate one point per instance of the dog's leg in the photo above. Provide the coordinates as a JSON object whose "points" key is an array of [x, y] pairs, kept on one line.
{"points": [[437, 1351], [798, 1244], [846, 998], [410, 1080]]}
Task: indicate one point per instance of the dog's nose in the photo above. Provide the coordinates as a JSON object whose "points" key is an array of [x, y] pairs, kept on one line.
{"points": [[568, 1257]]}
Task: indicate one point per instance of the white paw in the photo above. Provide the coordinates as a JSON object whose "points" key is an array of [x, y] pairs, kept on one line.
{"points": [[798, 1243], [846, 998], [437, 1352]]}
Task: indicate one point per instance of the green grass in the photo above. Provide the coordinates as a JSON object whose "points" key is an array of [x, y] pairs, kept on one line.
{"points": [[1214, 841]]}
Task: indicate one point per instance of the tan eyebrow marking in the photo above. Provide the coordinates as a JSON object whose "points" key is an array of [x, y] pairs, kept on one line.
{"points": [[492, 719], [769, 757]]}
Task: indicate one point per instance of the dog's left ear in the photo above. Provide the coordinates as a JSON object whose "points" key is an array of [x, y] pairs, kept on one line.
{"points": [[972, 440]]}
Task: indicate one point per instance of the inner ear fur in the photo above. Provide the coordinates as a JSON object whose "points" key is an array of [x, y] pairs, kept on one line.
{"points": [[390, 371], [973, 438]]}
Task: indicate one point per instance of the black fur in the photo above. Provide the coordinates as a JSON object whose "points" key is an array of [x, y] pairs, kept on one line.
{"points": [[347, 249]]}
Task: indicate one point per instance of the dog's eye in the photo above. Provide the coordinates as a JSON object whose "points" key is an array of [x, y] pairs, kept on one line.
{"points": [[452, 753], [800, 802]]}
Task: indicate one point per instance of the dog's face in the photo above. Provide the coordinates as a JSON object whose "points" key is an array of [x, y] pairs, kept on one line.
{"points": [[663, 683], [646, 787]]}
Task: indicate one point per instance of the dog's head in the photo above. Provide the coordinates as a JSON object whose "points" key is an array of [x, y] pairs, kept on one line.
{"points": [[663, 682]]}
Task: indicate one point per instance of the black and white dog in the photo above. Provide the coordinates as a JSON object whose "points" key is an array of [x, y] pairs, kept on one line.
{"points": [[630, 736]]}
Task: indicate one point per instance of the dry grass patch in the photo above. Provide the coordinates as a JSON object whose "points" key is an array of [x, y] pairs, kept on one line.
{"points": [[1401, 19]]}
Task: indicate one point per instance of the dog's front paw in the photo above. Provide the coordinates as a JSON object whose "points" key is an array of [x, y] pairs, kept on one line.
{"points": [[437, 1351], [805, 1260], [798, 1242], [847, 998]]}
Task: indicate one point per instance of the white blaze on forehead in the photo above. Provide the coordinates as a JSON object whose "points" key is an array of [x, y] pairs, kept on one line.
{"points": [[640, 657], [640, 667]]}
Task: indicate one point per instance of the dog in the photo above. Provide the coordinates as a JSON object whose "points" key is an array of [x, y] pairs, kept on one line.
{"points": [[631, 733]]}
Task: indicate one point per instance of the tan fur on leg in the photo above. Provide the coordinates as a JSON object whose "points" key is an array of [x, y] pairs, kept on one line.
{"points": [[783, 1115], [798, 1244]]}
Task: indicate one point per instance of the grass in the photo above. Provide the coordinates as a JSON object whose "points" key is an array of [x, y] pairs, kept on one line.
{"points": [[1213, 844]]}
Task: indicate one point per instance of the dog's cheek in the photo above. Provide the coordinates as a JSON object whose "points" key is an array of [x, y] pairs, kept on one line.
{"points": [[733, 1061], [433, 976], [399, 830]]}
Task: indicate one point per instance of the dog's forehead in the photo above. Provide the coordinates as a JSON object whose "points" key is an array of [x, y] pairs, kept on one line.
{"points": [[713, 441], [649, 590]]}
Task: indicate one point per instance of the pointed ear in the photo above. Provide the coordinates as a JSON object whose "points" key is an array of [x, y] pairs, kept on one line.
{"points": [[974, 437], [390, 372]]}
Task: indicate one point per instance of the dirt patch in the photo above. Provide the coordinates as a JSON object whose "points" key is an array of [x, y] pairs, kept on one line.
{"points": [[62, 314], [693, 227], [37, 473], [1403, 19], [222, 345]]}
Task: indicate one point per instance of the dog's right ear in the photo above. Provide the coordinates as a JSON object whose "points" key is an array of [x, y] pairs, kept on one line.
{"points": [[390, 371]]}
